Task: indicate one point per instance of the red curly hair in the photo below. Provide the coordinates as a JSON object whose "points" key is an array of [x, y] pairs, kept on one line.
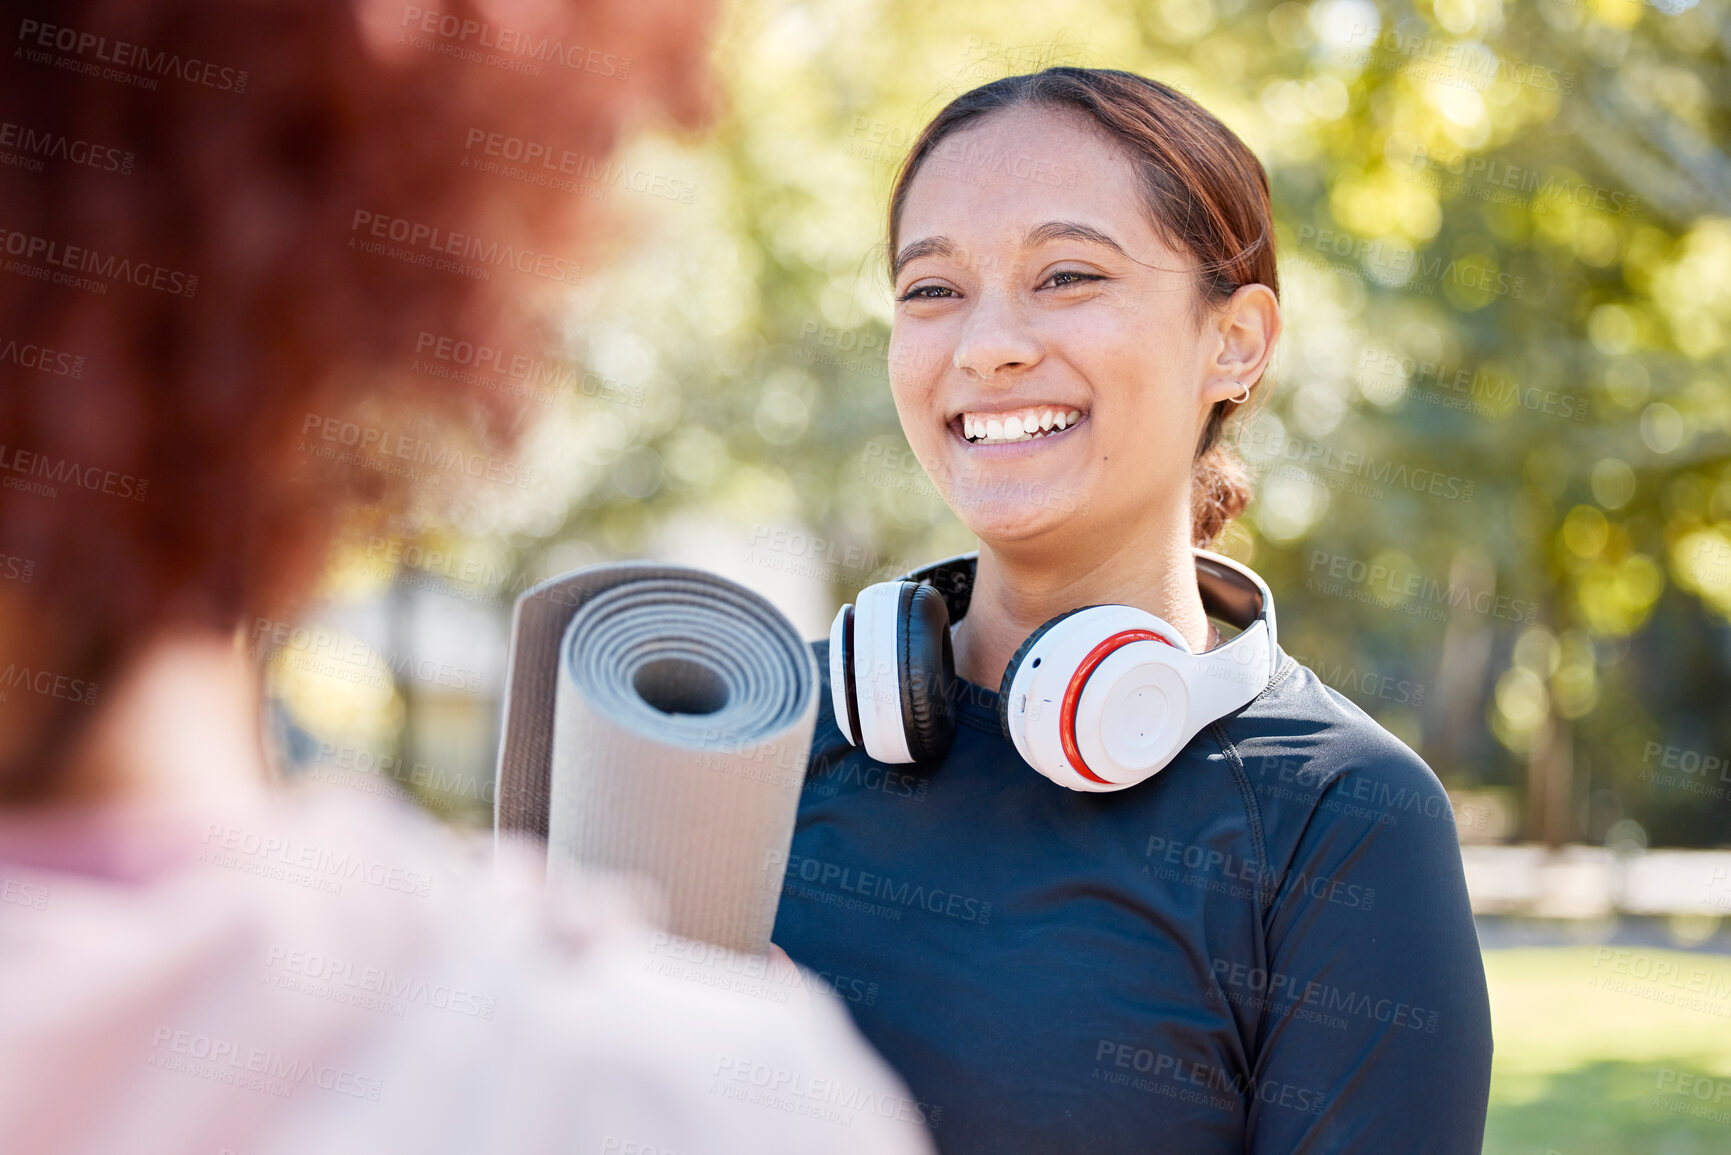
{"points": [[226, 224]]}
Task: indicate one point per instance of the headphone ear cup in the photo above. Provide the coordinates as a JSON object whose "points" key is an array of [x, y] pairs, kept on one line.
{"points": [[1016, 661], [928, 669], [843, 696]]}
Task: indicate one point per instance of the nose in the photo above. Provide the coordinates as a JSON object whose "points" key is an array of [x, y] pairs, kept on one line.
{"points": [[996, 339]]}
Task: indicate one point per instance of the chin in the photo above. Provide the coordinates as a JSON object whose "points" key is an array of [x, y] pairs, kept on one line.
{"points": [[1012, 519]]}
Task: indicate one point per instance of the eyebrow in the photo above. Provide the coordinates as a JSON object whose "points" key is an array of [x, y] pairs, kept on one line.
{"points": [[1038, 235], [924, 247], [1070, 231]]}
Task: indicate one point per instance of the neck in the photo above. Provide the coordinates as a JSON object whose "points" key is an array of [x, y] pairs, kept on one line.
{"points": [[1017, 591], [179, 730]]}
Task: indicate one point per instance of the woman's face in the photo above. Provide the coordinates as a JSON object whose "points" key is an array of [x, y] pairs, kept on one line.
{"points": [[1045, 361]]}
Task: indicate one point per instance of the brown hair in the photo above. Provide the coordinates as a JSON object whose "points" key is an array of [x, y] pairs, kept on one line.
{"points": [[1207, 195], [231, 224]]}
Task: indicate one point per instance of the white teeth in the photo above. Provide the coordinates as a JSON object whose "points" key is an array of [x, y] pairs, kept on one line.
{"points": [[1012, 427]]}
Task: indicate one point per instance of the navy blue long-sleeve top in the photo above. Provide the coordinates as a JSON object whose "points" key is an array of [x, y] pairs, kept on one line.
{"points": [[1266, 948]]}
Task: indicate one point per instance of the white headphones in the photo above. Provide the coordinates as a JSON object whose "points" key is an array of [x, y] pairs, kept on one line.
{"points": [[1099, 698]]}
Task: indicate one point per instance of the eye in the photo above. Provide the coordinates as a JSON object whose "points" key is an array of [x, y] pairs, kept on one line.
{"points": [[927, 293], [1064, 278]]}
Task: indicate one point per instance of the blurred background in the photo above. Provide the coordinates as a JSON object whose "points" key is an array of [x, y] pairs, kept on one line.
{"points": [[1494, 496]]}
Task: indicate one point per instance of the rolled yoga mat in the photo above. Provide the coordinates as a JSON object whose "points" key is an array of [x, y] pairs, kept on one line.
{"points": [[658, 720]]}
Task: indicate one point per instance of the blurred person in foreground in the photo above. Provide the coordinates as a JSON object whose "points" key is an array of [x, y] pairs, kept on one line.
{"points": [[226, 226]]}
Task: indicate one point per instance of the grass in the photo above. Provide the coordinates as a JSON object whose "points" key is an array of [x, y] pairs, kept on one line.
{"points": [[1605, 1051]]}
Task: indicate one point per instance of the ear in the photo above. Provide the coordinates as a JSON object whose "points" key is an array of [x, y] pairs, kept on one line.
{"points": [[1243, 332]]}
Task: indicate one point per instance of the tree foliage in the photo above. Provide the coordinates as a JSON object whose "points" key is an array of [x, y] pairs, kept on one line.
{"points": [[1494, 492]]}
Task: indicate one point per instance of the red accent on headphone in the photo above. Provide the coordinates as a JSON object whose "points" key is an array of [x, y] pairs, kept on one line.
{"points": [[1073, 694]]}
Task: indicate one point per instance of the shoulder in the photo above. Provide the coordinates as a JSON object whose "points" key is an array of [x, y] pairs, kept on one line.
{"points": [[1311, 756], [568, 988]]}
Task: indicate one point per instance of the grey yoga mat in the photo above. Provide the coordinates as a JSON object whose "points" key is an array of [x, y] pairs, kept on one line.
{"points": [[658, 720]]}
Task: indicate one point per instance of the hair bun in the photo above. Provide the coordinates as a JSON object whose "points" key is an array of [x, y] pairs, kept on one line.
{"points": [[1220, 490]]}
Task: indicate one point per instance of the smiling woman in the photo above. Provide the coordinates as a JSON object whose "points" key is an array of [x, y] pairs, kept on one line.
{"points": [[1255, 939]]}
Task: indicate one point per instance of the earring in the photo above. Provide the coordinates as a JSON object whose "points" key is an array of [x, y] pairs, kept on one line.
{"points": [[1243, 399]]}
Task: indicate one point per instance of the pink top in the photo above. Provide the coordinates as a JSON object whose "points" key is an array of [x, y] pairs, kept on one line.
{"points": [[326, 975]]}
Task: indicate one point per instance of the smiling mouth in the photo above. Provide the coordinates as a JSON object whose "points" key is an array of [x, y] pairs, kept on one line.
{"points": [[1027, 424]]}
